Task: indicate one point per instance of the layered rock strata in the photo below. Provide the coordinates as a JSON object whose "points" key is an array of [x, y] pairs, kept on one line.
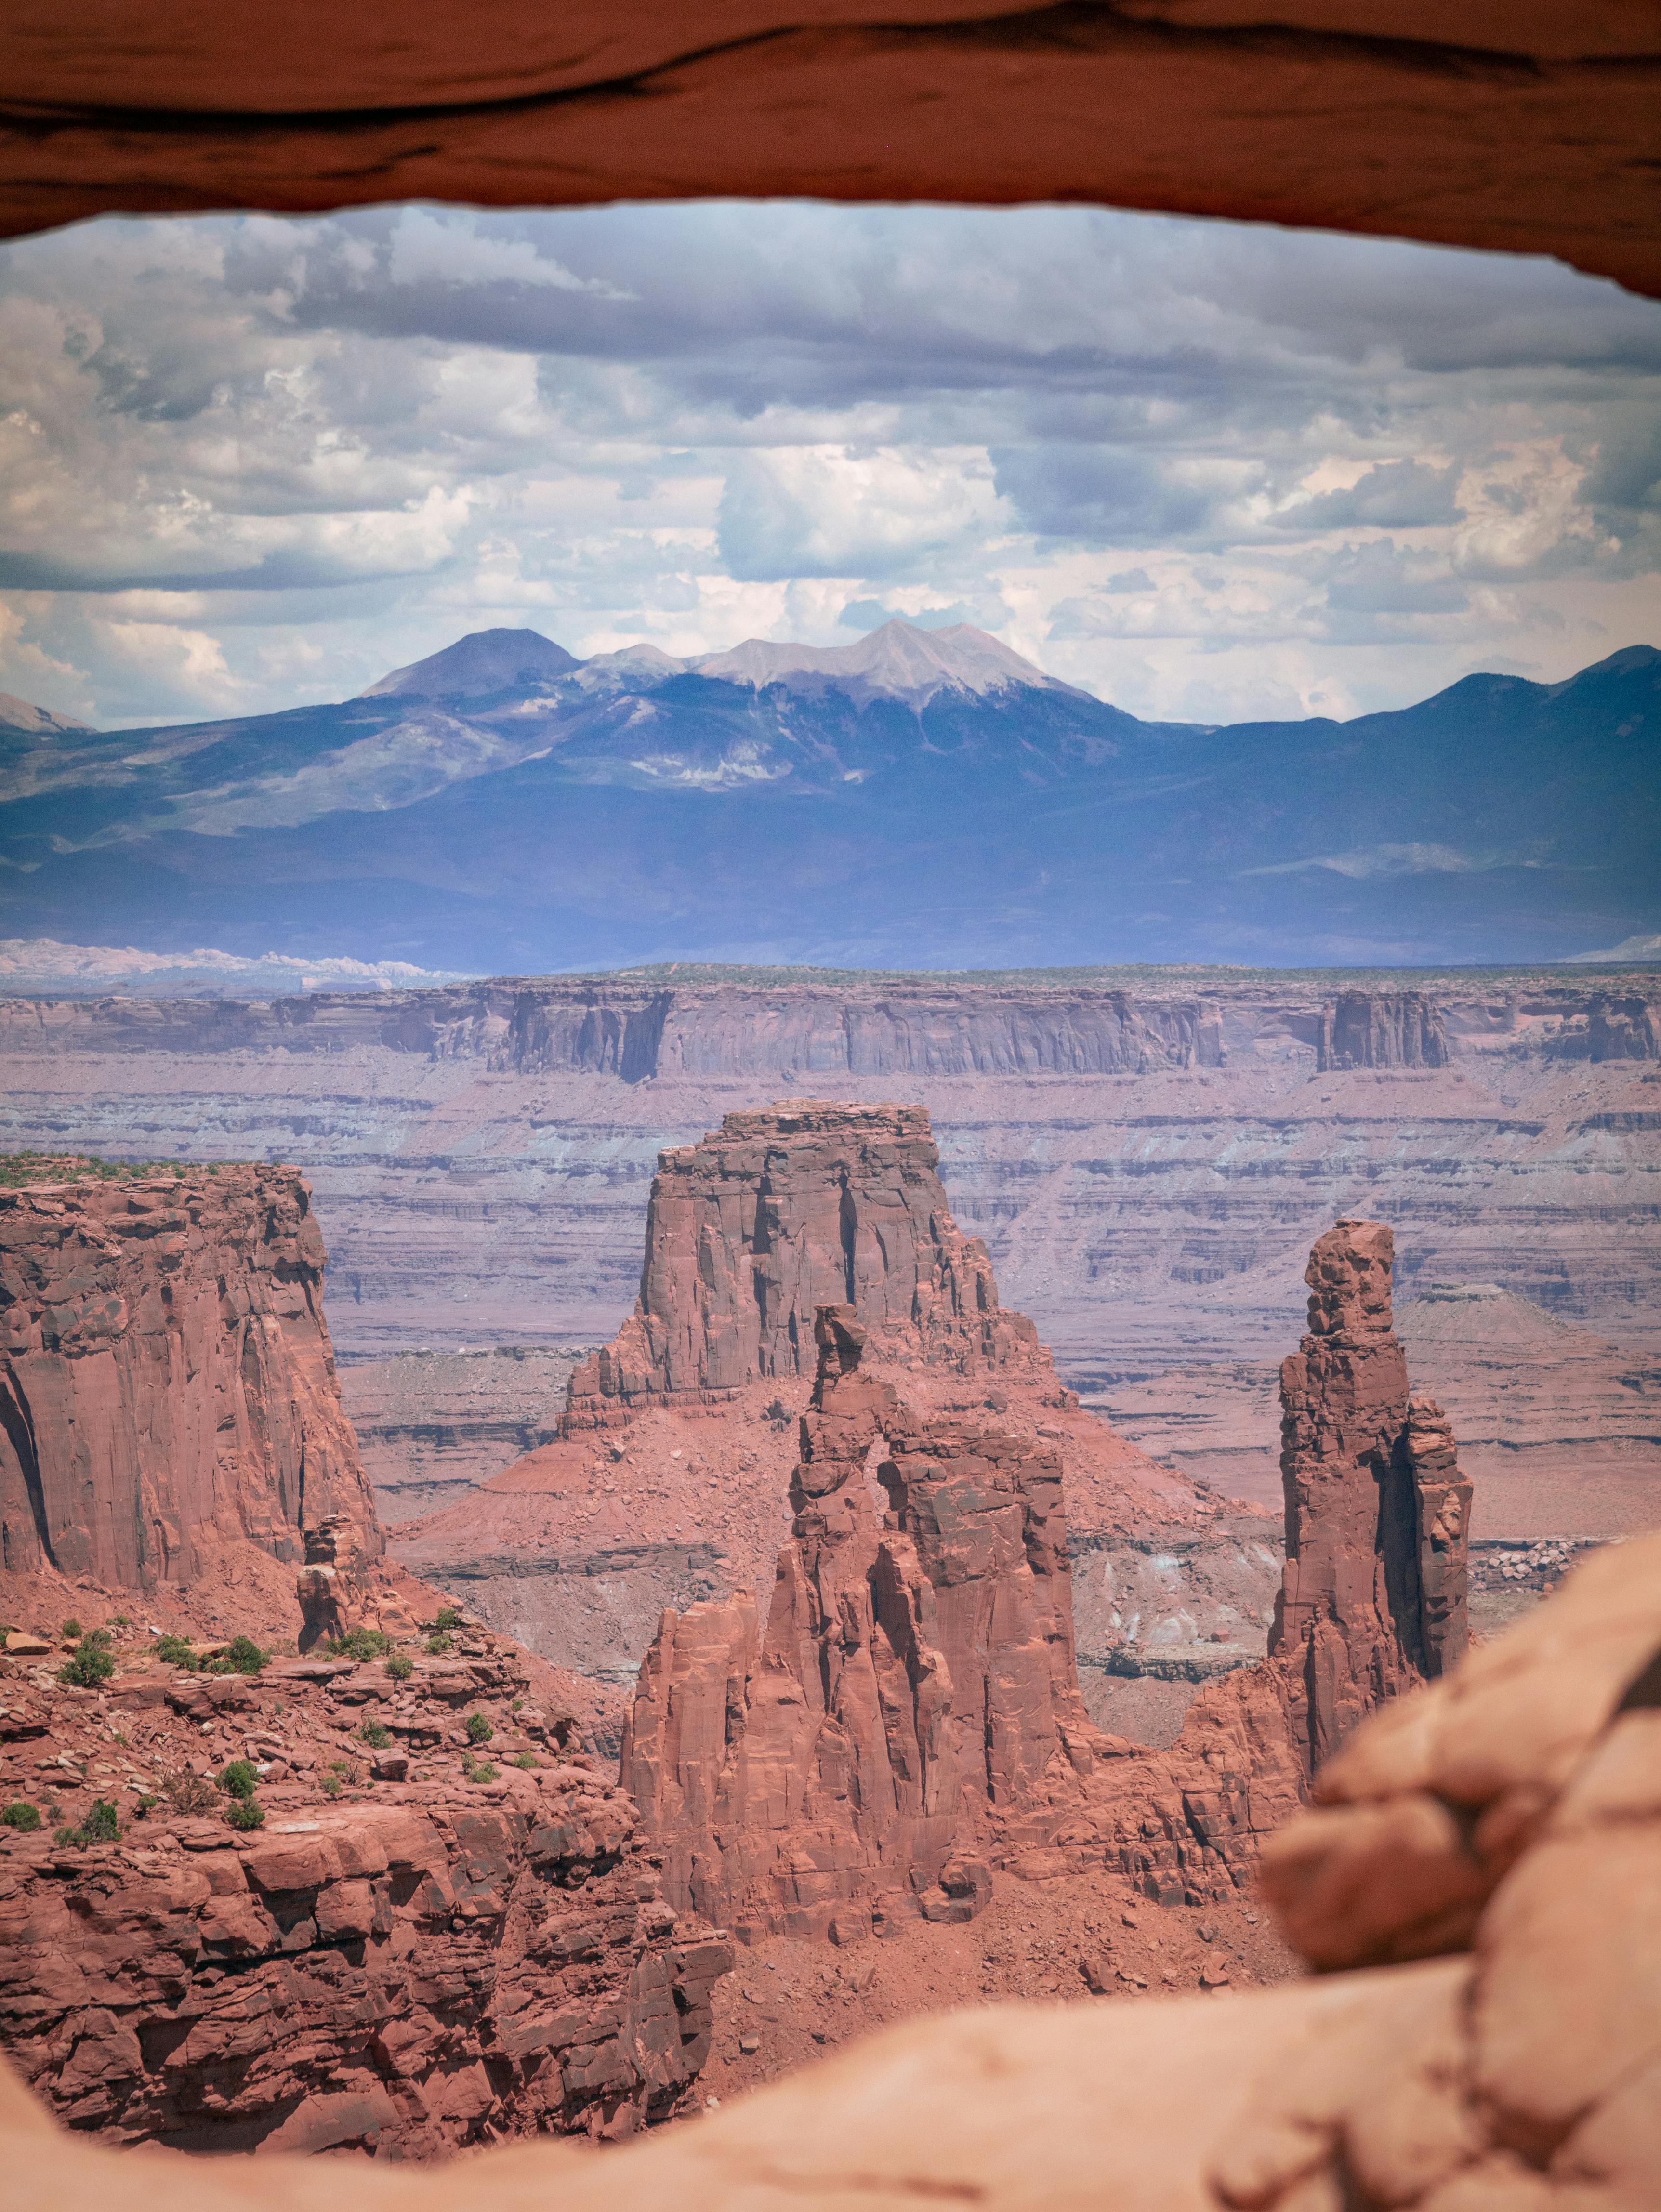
{"points": [[1382, 1028], [806, 1204], [912, 1690], [168, 1388], [417, 1951]]}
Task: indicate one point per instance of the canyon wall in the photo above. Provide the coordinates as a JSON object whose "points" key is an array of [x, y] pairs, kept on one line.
{"points": [[414, 1952], [1154, 1222], [168, 1386], [909, 1717]]}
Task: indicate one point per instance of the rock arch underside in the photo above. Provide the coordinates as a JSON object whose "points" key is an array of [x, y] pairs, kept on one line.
{"points": [[1532, 127]]}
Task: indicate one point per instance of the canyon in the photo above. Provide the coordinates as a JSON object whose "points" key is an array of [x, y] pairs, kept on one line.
{"points": [[258, 1888], [1146, 1155]]}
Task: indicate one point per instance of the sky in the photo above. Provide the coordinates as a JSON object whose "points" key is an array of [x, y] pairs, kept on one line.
{"points": [[1208, 471]]}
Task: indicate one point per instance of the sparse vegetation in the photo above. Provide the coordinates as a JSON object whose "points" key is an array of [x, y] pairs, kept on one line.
{"points": [[240, 1778], [476, 1770], [18, 1170], [331, 1785], [358, 1643], [91, 1662], [400, 1667], [527, 1760], [449, 1616], [147, 1804], [185, 1792], [438, 1643], [175, 1652], [102, 1826], [22, 1816], [478, 1728], [246, 1813], [241, 1655], [375, 1734]]}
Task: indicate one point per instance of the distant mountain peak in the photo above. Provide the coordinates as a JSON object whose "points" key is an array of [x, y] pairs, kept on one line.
{"points": [[896, 661], [37, 721], [488, 661]]}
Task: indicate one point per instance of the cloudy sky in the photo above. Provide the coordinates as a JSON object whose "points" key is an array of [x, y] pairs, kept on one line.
{"points": [[1208, 471]]}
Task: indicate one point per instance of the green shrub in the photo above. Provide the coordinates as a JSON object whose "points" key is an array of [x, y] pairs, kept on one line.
{"points": [[91, 1662], [175, 1652], [358, 1643], [240, 1778], [527, 1760], [478, 1728], [100, 1825], [476, 1770], [244, 1813], [120, 1620], [438, 1643], [449, 1616], [241, 1655], [71, 1628], [22, 1816], [400, 1667], [375, 1735], [147, 1804]]}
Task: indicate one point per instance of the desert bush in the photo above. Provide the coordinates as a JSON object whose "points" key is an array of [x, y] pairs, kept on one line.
{"points": [[449, 1616], [527, 1760], [476, 1770], [71, 1627], [400, 1667], [175, 1652], [22, 1816], [478, 1728], [241, 1655], [186, 1792], [91, 1662], [359, 1643], [102, 1826], [240, 1778], [245, 1813], [375, 1735], [438, 1643]]}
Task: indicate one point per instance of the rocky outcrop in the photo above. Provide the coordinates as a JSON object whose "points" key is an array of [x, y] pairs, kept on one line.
{"points": [[806, 1204], [167, 1383], [1507, 1818], [911, 1698], [418, 1950], [1382, 1028], [1374, 1592], [1624, 1028]]}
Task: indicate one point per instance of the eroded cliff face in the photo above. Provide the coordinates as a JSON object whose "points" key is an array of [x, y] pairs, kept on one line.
{"points": [[167, 1381], [1382, 1028], [907, 1703], [1378, 1515], [418, 1950], [806, 1204]]}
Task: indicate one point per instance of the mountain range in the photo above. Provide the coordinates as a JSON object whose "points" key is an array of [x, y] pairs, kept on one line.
{"points": [[921, 798]]}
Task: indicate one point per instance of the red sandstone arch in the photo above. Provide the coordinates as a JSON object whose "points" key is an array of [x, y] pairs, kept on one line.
{"points": [[1529, 125]]}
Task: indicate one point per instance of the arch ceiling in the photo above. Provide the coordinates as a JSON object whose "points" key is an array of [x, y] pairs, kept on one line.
{"points": [[1528, 125]]}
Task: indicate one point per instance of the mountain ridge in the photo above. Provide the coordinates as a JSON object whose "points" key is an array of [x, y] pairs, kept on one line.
{"points": [[918, 799]]}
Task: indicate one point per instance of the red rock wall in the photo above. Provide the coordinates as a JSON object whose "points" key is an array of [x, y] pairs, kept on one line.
{"points": [[911, 1699], [405, 1961], [167, 1383], [779, 1212], [1382, 1028]]}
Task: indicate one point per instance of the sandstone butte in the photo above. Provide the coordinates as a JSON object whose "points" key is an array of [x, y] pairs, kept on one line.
{"points": [[1477, 1887], [416, 1947], [909, 1717], [670, 1480]]}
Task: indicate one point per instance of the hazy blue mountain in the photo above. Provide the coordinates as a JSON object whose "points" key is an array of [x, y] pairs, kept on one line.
{"points": [[918, 799]]}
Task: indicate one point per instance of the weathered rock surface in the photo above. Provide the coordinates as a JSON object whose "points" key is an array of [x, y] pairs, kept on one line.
{"points": [[780, 1213], [909, 1695], [167, 1383], [432, 1424], [669, 1485], [418, 1950], [1382, 1028], [1507, 1815]]}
